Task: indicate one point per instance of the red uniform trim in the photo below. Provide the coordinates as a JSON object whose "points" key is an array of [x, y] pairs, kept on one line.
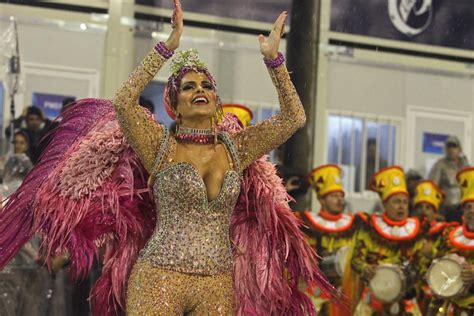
{"points": [[318, 226], [456, 243], [394, 238]]}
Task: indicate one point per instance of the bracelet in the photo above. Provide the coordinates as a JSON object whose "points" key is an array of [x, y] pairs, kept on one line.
{"points": [[161, 49], [274, 63]]}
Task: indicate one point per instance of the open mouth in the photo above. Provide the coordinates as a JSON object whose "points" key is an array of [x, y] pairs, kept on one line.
{"points": [[200, 100]]}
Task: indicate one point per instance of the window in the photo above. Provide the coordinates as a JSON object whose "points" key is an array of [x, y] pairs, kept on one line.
{"points": [[361, 146]]}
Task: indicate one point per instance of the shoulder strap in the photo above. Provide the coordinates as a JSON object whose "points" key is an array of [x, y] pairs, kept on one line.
{"points": [[229, 143]]}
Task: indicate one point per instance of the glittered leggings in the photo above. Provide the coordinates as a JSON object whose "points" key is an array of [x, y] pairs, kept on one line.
{"points": [[155, 291]]}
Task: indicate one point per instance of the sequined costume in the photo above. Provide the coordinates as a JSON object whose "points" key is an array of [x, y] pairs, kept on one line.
{"points": [[90, 190], [193, 234]]}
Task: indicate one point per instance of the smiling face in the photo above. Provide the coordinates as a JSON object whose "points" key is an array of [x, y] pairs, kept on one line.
{"points": [[396, 207], [197, 97]]}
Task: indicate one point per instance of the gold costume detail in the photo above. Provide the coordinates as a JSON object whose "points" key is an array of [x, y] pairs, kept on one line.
{"points": [[140, 130], [257, 140], [153, 291]]}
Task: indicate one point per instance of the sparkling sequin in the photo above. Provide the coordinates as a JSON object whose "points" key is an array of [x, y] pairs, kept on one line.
{"points": [[193, 233], [153, 291], [140, 128], [257, 140]]}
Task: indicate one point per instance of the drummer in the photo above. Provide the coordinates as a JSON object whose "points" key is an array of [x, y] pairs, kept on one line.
{"points": [[459, 240], [389, 237], [427, 199], [330, 230]]}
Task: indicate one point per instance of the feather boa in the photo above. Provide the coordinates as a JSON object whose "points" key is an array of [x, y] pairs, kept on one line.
{"points": [[89, 191]]}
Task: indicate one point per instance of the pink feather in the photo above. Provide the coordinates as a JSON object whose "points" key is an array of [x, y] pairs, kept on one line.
{"points": [[271, 253]]}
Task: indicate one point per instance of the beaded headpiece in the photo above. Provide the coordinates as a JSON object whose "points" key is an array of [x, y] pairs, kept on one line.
{"points": [[183, 62]]}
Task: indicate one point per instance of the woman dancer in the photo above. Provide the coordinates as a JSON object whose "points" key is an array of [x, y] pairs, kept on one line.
{"points": [[225, 239]]}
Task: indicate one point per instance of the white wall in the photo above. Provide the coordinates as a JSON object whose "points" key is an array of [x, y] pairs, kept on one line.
{"points": [[376, 89]]}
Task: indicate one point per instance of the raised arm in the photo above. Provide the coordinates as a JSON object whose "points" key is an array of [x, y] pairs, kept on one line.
{"points": [[257, 140], [140, 129]]}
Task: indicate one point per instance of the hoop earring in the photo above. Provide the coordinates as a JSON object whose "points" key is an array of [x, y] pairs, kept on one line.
{"points": [[219, 110]]}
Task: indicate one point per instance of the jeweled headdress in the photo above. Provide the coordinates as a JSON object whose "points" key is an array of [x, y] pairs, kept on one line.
{"points": [[183, 62]]}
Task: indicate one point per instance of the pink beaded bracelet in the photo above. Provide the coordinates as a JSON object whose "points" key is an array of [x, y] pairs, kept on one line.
{"points": [[274, 63], [161, 49]]}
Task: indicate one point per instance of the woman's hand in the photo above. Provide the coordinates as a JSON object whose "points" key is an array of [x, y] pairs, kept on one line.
{"points": [[269, 46], [172, 43]]}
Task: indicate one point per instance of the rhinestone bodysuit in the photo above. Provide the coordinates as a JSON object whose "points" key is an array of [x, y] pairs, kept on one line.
{"points": [[192, 236]]}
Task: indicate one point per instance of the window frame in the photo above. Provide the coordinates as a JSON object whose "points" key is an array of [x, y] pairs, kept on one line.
{"points": [[399, 157]]}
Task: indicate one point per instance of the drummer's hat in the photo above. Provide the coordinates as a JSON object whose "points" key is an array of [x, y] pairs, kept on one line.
{"points": [[326, 179], [427, 191], [465, 179], [388, 182], [243, 113]]}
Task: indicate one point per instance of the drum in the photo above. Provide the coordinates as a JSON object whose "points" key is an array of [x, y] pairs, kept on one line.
{"points": [[444, 277], [334, 265], [388, 284]]}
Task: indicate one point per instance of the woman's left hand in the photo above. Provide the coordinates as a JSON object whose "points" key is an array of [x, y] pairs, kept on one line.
{"points": [[269, 46]]}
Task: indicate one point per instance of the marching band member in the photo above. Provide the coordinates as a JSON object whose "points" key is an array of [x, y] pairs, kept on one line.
{"points": [[330, 231], [390, 240], [458, 241], [427, 199]]}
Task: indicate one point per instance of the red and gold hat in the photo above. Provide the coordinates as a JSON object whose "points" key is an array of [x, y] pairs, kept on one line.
{"points": [[465, 179], [326, 179], [388, 182], [427, 191]]}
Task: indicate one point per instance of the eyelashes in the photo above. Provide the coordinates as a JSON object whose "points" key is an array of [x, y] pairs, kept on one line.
{"points": [[205, 85]]}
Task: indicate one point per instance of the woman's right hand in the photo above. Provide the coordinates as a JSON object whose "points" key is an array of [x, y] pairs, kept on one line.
{"points": [[172, 43]]}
